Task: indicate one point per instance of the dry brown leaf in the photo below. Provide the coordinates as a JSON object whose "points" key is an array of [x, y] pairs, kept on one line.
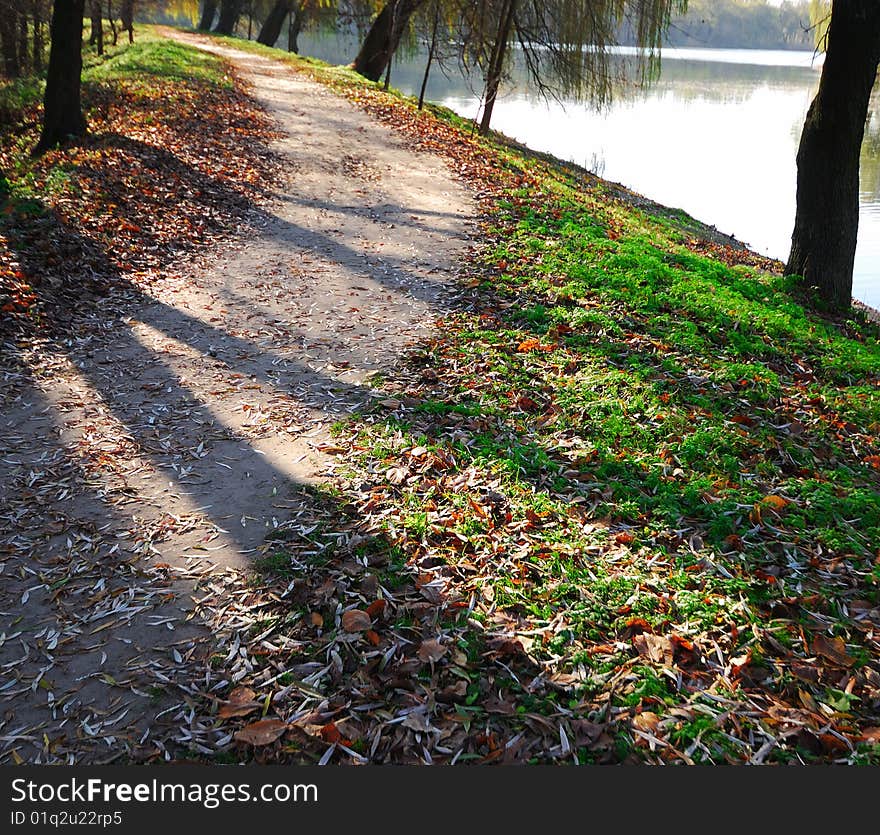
{"points": [[317, 619], [376, 608], [646, 721], [871, 735], [833, 649], [241, 702], [396, 475], [656, 648], [264, 732], [431, 650], [355, 620]]}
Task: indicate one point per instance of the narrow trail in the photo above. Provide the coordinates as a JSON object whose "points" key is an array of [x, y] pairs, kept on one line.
{"points": [[166, 446]]}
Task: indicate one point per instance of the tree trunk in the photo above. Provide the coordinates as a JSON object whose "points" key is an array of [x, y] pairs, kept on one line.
{"points": [[112, 22], [294, 26], [431, 50], [8, 46], [270, 31], [823, 244], [209, 12], [496, 64], [23, 51], [230, 12], [126, 17], [384, 37], [62, 107], [97, 36], [38, 37]]}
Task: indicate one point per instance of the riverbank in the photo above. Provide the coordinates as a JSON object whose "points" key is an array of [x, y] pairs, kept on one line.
{"points": [[621, 504], [641, 477]]}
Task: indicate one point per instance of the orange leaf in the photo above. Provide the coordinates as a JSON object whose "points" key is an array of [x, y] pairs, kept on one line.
{"points": [[873, 460], [261, 733], [330, 733], [775, 502], [528, 345], [372, 636], [743, 420], [376, 608], [355, 620]]}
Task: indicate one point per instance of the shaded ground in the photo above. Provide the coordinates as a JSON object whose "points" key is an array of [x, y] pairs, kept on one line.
{"points": [[174, 430]]}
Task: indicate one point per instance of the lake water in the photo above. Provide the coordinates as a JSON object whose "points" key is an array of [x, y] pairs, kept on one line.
{"points": [[716, 135]]}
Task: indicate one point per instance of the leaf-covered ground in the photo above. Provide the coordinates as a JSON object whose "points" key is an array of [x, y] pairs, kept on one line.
{"points": [[629, 509], [624, 506], [176, 153]]}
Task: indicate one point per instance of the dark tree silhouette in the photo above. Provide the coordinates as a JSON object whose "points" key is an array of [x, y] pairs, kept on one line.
{"points": [[270, 31], [209, 12], [230, 12], [62, 111], [384, 37], [823, 244]]}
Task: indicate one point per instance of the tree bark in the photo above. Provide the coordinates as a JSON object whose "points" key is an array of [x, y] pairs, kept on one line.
{"points": [[9, 45], [270, 31], [431, 50], [62, 105], [230, 12], [97, 36], [126, 17], [23, 51], [38, 37], [384, 36], [294, 26], [496, 64], [209, 12], [823, 243], [112, 22]]}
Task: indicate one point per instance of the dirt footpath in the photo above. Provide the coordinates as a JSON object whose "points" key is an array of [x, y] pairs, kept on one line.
{"points": [[152, 455]]}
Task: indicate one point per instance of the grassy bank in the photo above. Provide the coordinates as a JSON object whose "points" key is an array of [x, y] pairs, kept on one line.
{"points": [[643, 476], [623, 506]]}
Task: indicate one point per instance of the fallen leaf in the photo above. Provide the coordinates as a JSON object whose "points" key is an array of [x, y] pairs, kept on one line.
{"points": [[261, 733], [376, 608], [775, 502], [871, 735], [396, 475], [330, 733], [431, 650], [656, 648], [241, 702], [834, 649], [355, 620]]}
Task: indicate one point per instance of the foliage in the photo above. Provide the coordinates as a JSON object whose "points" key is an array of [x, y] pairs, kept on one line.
{"points": [[745, 25]]}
